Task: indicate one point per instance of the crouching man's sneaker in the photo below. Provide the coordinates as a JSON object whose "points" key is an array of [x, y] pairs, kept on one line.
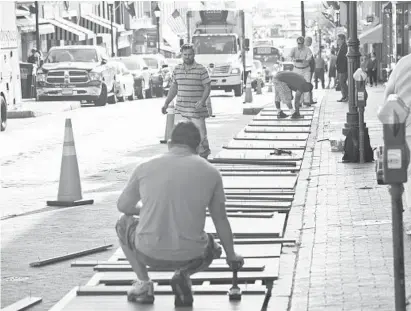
{"points": [[181, 285], [281, 115], [296, 115], [141, 292]]}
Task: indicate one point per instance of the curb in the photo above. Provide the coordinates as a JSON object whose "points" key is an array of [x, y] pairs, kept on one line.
{"points": [[290, 253], [22, 114]]}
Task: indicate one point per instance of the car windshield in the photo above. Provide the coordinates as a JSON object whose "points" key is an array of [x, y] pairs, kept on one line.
{"points": [[215, 44], [152, 63], [130, 64], [72, 55]]}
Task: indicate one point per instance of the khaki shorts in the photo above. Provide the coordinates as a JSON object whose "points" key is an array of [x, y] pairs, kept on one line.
{"points": [[126, 232]]}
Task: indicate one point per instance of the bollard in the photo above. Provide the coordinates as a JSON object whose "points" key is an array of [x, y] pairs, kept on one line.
{"points": [[169, 123], [395, 160]]}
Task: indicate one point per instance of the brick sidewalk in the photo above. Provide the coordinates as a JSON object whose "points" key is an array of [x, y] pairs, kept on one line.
{"points": [[345, 257]]}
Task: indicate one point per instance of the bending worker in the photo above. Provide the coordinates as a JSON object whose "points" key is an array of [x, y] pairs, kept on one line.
{"points": [[284, 83], [174, 189]]}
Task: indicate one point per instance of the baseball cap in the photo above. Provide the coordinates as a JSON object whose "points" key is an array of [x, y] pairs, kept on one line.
{"points": [[300, 40]]}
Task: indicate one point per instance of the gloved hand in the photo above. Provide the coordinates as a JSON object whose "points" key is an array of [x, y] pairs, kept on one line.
{"points": [[235, 262]]}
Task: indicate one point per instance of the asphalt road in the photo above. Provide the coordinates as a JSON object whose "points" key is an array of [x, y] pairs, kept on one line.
{"points": [[109, 142]]}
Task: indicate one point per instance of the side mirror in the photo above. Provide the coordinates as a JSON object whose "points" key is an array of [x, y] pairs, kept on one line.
{"points": [[145, 68], [104, 61], [181, 42], [164, 66]]}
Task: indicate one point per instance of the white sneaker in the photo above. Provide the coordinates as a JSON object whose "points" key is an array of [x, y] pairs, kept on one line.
{"points": [[141, 292]]}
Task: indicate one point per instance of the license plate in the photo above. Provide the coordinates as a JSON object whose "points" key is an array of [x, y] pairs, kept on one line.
{"points": [[67, 91]]}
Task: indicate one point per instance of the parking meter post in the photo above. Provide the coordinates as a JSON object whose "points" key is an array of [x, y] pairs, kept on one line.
{"points": [[395, 157], [396, 191], [361, 102]]}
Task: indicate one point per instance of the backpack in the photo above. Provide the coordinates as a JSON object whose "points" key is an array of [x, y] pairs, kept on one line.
{"points": [[351, 147]]}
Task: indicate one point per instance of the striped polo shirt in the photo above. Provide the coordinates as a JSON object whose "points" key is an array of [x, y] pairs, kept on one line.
{"points": [[190, 85]]}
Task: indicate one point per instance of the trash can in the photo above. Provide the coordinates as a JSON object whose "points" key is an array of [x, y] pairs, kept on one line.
{"points": [[26, 78]]}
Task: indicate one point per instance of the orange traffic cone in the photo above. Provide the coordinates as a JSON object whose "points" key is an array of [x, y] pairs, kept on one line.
{"points": [[69, 193], [248, 92], [169, 123]]}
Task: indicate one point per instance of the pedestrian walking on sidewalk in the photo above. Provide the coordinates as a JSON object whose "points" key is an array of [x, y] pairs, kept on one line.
{"points": [[284, 83], [372, 70], [174, 190], [342, 67], [332, 69], [399, 83], [301, 56], [319, 71], [308, 43], [191, 84]]}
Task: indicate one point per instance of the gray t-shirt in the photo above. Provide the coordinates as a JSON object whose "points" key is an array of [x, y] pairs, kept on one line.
{"points": [[175, 189]]}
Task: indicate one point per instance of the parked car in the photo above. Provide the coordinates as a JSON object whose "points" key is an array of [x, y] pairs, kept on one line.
{"points": [[124, 85], [155, 63], [257, 72], [3, 113], [76, 72], [167, 72], [140, 72]]}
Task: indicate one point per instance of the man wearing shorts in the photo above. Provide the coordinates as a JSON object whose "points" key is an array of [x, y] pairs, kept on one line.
{"points": [[284, 83], [174, 190], [301, 56], [192, 85]]}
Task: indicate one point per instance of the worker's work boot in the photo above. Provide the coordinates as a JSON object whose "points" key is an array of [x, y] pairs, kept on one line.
{"points": [[141, 292], [181, 285], [296, 115], [281, 115]]}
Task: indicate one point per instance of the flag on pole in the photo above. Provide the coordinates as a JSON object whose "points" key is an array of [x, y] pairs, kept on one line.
{"points": [[176, 23]]}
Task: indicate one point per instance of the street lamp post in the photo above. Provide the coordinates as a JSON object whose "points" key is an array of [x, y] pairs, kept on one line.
{"points": [[36, 5], [353, 58], [302, 19], [157, 15]]}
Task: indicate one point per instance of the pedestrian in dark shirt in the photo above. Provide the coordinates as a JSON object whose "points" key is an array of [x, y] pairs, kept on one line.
{"points": [[342, 67], [372, 70], [32, 59], [284, 83]]}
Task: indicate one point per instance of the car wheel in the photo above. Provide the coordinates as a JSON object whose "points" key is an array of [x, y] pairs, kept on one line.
{"points": [[3, 114], [102, 100], [238, 90]]}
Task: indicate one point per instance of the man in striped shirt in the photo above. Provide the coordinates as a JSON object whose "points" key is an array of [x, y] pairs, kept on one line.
{"points": [[191, 85]]}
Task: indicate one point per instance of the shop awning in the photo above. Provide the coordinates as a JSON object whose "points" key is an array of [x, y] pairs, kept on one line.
{"points": [[99, 24], [373, 35], [68, 31], [27, 24]]}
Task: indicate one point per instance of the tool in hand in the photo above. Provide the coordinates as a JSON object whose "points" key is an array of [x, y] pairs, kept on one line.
{"points": [[235, 291], [280, 152]]}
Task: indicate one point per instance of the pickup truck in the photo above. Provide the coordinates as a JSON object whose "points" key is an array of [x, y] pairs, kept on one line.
{"points": [[78, 72]]}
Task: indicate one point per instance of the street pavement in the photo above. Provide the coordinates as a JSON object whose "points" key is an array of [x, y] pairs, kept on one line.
{"points": [[30, 108], [109, 141], [345, 256]]}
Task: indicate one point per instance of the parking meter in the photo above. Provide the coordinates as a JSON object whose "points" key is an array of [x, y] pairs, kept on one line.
{"points": [[360, 102], [395, 154]]}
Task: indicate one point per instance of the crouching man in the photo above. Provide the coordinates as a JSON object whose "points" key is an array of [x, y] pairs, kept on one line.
{"points": [[284, 83], [175, 189]]}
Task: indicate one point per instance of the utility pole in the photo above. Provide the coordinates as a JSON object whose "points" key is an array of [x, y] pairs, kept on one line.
{"points": [[302, 20], [36, 6], [111, 29]]}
